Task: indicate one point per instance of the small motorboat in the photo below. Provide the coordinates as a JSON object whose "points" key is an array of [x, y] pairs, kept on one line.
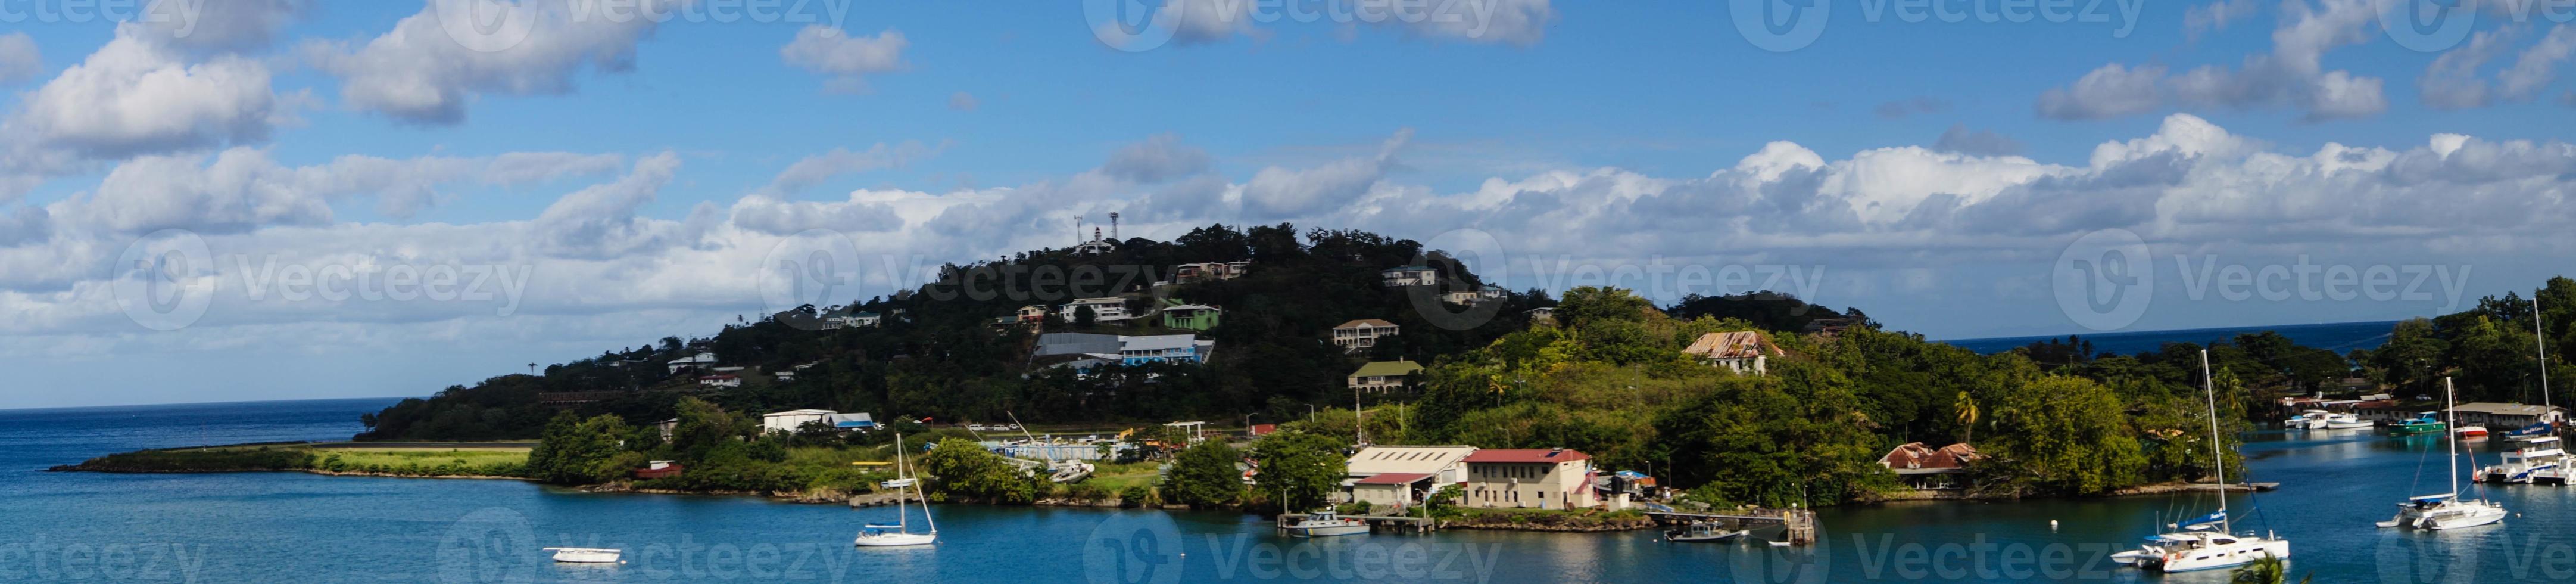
{"points": [[1324, 523], [1703, 532], [2345, 421], [2306, 420], [574, 555], [2423, 423], [2471, 431]]}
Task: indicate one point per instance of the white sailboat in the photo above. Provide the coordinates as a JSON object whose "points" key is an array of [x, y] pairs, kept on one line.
{"points": [[900, 534], [2446, 510], [2207, 542]]}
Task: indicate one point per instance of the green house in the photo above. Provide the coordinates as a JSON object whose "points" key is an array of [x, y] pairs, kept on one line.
{"points": [[1196, 317], [1383, 375]]}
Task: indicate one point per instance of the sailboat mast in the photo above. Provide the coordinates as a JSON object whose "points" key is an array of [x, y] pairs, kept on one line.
{"points": [[2540, 342], [2219, 456], [2451, 420], [901, 469]]}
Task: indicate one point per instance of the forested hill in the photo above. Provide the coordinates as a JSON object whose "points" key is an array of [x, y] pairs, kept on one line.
{"points": [[938, 354]]}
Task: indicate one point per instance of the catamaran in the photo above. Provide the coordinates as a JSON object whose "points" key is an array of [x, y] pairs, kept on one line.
{"points": [[900, 534], [2206, 542], [2446, 510], [2524, 463]]}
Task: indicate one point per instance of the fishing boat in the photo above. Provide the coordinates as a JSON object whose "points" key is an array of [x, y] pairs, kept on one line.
{"points": [[1322, 523], [2346, 421], [574, 555], [2422, 423], [1703, 531], [2523, 464], [900, 533], [2446, 510], [2206, 542]]}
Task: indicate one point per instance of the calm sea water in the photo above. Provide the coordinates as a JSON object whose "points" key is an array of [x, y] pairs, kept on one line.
{"points": [[2341, 337], [287, 527]]}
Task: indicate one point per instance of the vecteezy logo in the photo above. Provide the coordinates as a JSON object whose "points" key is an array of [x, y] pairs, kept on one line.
{"points": [[1132, 25], [495, 544], [486, 26], [2104, 280], [816, 267], [1806, 564], [1467, 251], [2410, 557], [2427, 26], [1133, 548], [164, 280], [1781, 26]]}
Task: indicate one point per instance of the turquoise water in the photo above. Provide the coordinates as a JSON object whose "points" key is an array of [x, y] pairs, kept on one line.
{"points": [[288, 527], [2340, 337]]}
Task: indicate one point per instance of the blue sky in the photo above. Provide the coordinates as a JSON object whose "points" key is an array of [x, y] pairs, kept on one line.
{"points": [[1938, 174]]}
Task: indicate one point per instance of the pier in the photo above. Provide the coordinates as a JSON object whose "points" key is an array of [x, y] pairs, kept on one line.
{"points": [[1798, 526], [1400, 524], [877, 499]]}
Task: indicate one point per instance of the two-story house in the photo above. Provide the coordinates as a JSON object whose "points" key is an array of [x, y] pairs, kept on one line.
{"points": [[1402, 276], [1383, 375], [1529, 478], [1361, 334], [1102, 309]]}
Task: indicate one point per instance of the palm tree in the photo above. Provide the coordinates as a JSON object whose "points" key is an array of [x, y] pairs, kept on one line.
{"points": [[2269, 570], [532, 369], [1967, 407]]}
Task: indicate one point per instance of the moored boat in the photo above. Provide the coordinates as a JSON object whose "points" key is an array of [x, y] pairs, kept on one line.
{"points": [[900, 533], [2346, 421], [1702, 531], [2524, 463], [2471, 431], [2446, 510], [2207, 542], [2422, 423], [574, 555], [1324, 523]]}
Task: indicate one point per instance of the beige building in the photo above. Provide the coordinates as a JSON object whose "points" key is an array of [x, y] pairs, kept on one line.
{"points": [[1537, 479], [1383, 375], [1363, 333], [1401, 476], [1744, 352]]}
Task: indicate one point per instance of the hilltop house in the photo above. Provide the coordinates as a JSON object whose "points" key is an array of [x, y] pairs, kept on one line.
{"points": [[1470, 298], [1401, 476], [1543, 479], [1402, 276], [1108, 309], [788, 421], [1032, 314], [720, 380], [698, 361], [1928, 469], [852, 319], [1362, 334], [1196, 317], [1383, 375], [1743, 351], [1201, 272]]}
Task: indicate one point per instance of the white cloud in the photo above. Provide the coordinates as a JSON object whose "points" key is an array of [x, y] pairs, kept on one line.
{"points": [[599, 221], [1159, 158], [1280, 192], [813, 170], [19, 60], [2292, 76], [136, 97], [220, 26], [422, 72], [2215, 16], [848, 58], [243, 189], [1511, 22], [963, 101]]}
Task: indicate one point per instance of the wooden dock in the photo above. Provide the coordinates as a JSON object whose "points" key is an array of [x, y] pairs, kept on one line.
{"points": [[1400, 524], [877, 499], [1798, 526]]}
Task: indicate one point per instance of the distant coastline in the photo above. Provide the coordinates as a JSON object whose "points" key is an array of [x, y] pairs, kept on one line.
{"points": [[2340, 337]]}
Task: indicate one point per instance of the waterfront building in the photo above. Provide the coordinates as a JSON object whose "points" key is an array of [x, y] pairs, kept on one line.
{"points": [[1529, 478], [1925, 468], [1401, 476]]}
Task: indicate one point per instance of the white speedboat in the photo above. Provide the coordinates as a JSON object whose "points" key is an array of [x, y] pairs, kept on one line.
{"points": [[1703, 532], [2207, 543], [2446, 510], [574, 555], [2306, 420], [1323, 523], [2346, 421], [2523, 464], [900, 533]]}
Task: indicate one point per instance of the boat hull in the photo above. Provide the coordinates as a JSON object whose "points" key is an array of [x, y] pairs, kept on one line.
{"points": [[585, 556], [896, 539], [1705, 537], [2228, 556], [1326, 530]]}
